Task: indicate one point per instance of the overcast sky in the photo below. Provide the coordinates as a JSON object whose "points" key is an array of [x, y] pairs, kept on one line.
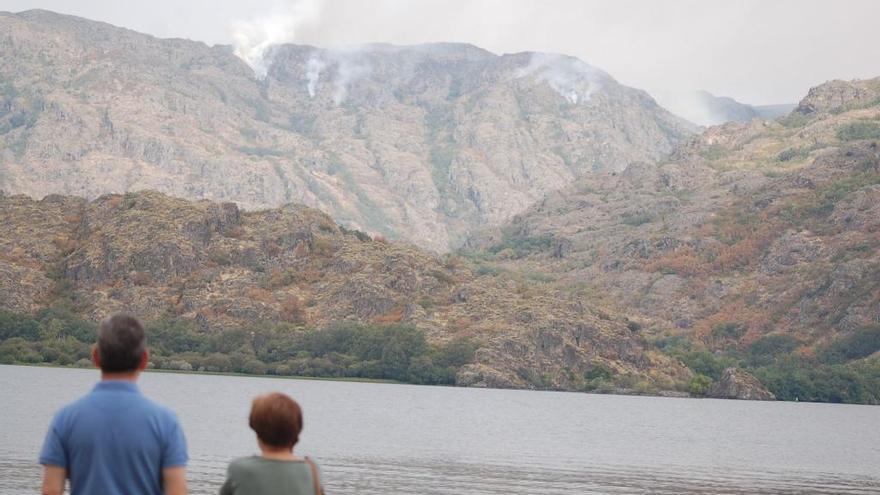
{"points": [[757, 51]]}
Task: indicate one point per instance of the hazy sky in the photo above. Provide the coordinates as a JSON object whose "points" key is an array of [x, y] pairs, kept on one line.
{"points": [[758, 51]]}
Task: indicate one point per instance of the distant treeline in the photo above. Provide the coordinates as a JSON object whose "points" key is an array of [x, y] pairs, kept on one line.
{"points": [[393, 352], [839, 372]]}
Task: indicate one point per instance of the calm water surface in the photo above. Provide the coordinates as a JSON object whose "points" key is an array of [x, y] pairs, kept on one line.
{"points": [[381, 438]]}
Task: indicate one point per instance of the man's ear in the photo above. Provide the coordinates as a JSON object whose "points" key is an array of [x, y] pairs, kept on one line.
{"points": [[145, 360], [96, 356]]}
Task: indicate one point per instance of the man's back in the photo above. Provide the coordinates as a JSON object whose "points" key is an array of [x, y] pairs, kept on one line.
{"points": [[114, 441]]}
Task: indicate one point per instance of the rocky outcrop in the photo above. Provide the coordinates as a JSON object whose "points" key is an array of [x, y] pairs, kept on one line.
{"points": [[839, 96], [422, 143], [739, 384]]}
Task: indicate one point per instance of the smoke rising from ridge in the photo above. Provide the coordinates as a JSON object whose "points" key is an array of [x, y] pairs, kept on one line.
{"points": [[573, 79], [348, 70], [342, 69], [756, 51], [253, 39], [313, 73]]}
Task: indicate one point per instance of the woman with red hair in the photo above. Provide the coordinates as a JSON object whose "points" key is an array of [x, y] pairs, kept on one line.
{"points": [[277, 421]]}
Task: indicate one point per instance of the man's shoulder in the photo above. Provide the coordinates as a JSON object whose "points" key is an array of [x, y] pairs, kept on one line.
{"points": [[71, 408], [87, 403], [160, 411]]}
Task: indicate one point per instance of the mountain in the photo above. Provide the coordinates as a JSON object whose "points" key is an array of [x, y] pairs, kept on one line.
{"points": [[758, 241], [706, 109], [771, 112], [422, 143], [220, 269]]}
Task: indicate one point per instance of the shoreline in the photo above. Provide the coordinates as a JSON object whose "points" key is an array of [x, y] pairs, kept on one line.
{"points": [[616, 393], [226, 373]]}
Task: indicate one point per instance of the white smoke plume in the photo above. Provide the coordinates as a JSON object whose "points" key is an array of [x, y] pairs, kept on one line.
{"points": [[342, 66], [253, 39], [349, 68], [691, 105], [573, 79], [313, 73]]}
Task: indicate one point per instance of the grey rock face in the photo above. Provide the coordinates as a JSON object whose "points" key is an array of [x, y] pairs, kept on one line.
{"points": [[422, 143], [739, 384]]}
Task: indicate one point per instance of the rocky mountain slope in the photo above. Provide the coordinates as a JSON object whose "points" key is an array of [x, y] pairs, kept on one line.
{"points": [[421, 143], [754, 237], [221, 267]]}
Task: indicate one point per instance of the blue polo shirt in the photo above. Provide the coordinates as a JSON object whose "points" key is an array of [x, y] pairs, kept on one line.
{"points": [[114, 441]]}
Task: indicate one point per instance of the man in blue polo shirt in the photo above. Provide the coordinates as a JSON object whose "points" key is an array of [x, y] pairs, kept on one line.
{"points": [[114, 440]]}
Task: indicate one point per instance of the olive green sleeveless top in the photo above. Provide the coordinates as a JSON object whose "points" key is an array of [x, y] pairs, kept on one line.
{"points": [[260, 476]]}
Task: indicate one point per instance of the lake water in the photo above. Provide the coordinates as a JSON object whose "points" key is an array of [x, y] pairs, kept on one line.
{"points": [[375, 438]]}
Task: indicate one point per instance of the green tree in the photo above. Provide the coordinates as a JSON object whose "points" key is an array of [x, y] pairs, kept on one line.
{"points": [[699, 385], [16, 325]]}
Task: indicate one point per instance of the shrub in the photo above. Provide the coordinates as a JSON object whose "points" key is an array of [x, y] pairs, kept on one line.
{"points": [[795, 119], [15, 325], [455, 353], [699, 385], [172, 335], [253, 366], [861, 129], [683, 261], [221, 257], [178, 365], [323, 246], [806, 380], [706, 363], [792, 154], [360, 235], [713, 152], [769, 348], [442, 276], [523, 245], [598, 372], [217, 362], [729, 330], [59, 321], [856, 346], [633, 326], [636, 219]]}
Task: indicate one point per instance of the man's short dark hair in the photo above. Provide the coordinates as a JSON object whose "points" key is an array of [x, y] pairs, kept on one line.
{"points": [[121, 343]]}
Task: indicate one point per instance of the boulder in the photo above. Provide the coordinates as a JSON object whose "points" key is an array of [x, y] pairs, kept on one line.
{"points": [[481, 376], [738, 384]]}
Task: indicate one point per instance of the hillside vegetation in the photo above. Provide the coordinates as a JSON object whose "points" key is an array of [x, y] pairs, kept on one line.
{"points": [[288, 291], [754, 245]]}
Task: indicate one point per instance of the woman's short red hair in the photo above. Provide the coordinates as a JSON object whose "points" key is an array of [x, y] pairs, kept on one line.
{"points": [[277, 419]]}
